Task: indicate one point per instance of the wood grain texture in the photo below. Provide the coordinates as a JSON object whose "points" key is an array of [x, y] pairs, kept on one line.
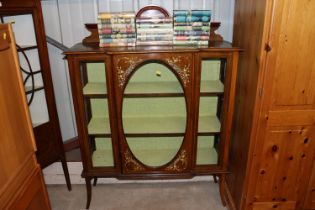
{"points": [[309, 202], [121, 63], [250, 35], [47, 135], [17, 158], [279, 142]]}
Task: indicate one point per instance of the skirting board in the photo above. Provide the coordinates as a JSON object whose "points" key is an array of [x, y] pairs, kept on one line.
{"points": [[53, 174]]}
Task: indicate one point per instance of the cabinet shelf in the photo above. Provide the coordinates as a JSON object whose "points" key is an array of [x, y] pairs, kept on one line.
{"points": [[95, 90], [153, 89], [154, 126], [208, 125], [211, 87]]}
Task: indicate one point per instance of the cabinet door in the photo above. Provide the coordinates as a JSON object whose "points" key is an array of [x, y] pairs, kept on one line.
{"points": [[282, 165], [153, 94], [95, 111], [21, 182], [286, 136], [310, 196]]}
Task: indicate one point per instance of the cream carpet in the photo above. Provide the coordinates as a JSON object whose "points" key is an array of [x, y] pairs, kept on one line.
{"points": [[139, 196]]}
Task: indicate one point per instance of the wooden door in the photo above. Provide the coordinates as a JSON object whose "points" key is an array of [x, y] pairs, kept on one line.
{"points": [[285, 140], [310, 195], [21, 182]]}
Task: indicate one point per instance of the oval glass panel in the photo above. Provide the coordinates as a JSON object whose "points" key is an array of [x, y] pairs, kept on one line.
{"points": [[154, 114]]}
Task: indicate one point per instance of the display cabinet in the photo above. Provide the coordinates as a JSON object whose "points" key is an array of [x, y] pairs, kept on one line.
{"points": [[153, 112], [28, 28]]}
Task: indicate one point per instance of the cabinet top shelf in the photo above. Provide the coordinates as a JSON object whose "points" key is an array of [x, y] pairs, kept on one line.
{"points": [[93, 48]]}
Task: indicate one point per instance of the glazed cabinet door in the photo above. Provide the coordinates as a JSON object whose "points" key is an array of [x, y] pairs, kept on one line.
{"points": [[284, 150], [214, 91], [95, 113], [154, 113]]}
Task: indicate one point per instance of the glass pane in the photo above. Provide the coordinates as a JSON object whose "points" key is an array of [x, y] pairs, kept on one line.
{"points": [[23, 28], [210, 102], [150, 112], [97, 114], [207, 153]]}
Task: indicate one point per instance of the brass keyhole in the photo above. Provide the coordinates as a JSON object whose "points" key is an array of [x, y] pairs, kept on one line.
{"points": [[4, 35]]}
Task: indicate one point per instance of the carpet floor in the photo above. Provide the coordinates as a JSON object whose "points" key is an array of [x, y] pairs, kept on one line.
{"points": [[139, 196]]}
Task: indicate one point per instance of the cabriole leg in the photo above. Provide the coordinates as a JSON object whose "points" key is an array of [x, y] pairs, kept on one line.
{"points": [[88, 191]]}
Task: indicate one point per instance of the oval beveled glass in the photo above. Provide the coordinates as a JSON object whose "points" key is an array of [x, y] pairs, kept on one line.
{"points": [[154, 114]]}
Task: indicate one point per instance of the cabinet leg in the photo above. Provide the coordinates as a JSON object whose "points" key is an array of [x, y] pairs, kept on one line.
{"points": [[221, 187], [88, 191], [66, 172], [215, 179], [94, 181]]}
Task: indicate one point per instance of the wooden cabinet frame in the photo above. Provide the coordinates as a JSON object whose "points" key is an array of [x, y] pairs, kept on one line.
{"points": [[121, 63]]}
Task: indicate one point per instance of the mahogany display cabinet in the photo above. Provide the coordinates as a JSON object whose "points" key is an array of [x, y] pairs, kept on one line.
{"points": [[153, 112]]}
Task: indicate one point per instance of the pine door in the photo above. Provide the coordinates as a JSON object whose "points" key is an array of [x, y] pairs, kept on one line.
{"points": [[284, 152]]}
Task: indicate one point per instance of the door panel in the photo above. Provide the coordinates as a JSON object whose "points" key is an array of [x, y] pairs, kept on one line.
{"points": [[310, 196], [274, 205], [292, 40], [282, 164], [20, 173]]}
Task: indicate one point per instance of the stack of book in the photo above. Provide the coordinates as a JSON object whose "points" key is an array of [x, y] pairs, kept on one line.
{"points": [[191, 27], [155, 30], [116, 29]]}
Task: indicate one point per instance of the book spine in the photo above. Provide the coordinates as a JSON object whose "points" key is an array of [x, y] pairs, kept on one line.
{"points": [[191, 19], [116, 15], [116, 36], [192, 12], [191, 38], [116, 20], [116, 31], [117, 44], [155, 30], [194, 42], [191, 28], [157, 25], [154, 20], [192, 24], [118, 25], [191, 33], [142, 43], [149, 33], [130, 40], [156, 38]]}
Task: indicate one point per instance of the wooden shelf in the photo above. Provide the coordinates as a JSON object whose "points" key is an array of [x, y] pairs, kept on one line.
{"points": [[211, 87], [99, 127], [154, 157], [207, 156], [103, 158], [154, 89], [208, 125], [162, 89], [95, 90], [154, 126]]}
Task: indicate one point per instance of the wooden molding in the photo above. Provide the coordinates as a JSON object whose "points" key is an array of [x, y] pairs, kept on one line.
{"points": [[71, 144]]}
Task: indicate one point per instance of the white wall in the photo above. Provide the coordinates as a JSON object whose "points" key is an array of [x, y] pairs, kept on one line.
{"points": [[64, 21]]}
